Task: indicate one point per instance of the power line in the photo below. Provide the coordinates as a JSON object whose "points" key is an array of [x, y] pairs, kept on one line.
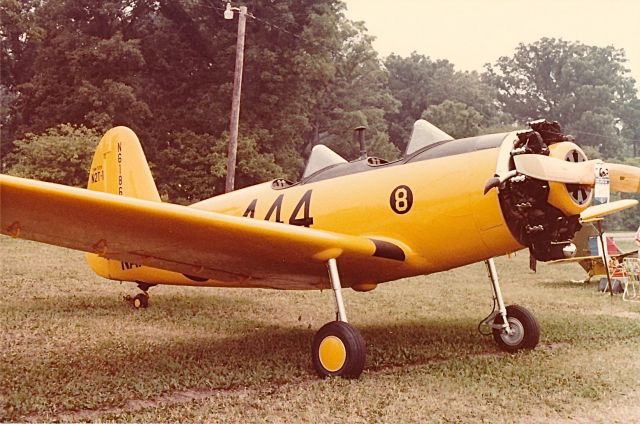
{"points": [[271, 25], [321, 47], [604, 136], [252, 16]]}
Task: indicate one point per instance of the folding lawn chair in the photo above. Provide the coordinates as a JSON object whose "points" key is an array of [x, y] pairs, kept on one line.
{"points": [[632, 279]]}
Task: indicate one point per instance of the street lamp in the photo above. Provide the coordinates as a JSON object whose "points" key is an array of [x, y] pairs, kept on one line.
{"points": [[235, 101], [228, 12]]}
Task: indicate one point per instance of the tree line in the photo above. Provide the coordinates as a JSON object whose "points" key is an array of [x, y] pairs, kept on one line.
{"points": [[71, 69]]}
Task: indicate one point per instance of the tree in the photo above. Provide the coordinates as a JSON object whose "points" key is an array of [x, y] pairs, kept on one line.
{"points": [[195, 166], [629, 128], [19, 40], [86, 69], [586, 88], [356, 95], [20, 36], [455, 118], [61, 155], [165, 69], [420, 83], [598, 130]]}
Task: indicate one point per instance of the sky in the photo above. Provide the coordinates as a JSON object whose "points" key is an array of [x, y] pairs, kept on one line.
{"points": [[470, 33]]}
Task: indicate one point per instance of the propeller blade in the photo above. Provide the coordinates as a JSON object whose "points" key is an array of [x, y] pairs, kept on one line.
{"points": [[624, 178], [552, 169], [497, 180]]}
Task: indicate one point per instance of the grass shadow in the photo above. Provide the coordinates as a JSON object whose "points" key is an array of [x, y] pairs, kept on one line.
{"points": [[110, 371], [569, 284]]}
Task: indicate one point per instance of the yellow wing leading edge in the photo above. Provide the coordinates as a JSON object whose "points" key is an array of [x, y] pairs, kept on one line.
{"points": [[235, 251]]}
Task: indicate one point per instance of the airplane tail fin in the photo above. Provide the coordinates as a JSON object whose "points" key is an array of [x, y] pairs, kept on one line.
{"points": [[588, 244], [120, 167], [612, 247]]}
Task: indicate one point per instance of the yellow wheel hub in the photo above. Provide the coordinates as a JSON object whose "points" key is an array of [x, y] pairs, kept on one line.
{"points": [[137, 303], [332, 353]]}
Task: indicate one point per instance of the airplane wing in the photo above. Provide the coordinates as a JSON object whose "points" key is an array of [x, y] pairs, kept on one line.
{"points": [[588, 258], [595, 213], [177, 238], [574, 259]]}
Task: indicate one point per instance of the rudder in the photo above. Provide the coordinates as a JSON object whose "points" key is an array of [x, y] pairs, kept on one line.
{"points": [[120, 167]]}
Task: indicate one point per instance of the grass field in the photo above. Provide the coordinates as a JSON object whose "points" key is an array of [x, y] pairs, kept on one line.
{"points": [[73, 350]]}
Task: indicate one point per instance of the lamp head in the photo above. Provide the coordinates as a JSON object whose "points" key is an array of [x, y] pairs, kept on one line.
{"points": [[228, 13]]}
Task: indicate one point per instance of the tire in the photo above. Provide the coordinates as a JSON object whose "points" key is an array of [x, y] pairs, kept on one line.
{"points": [[338, 350], [140, 301], [526, 331]]}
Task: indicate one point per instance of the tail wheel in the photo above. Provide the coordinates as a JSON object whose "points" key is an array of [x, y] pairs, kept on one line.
{"points": [[525, 331], [338, 350], [141, 300]]}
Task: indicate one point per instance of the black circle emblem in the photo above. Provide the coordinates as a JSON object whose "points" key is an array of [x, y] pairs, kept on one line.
{"points": [[401, 199]]}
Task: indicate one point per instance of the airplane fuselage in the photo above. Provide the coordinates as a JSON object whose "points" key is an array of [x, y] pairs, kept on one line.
{"points": [[430, 205]]}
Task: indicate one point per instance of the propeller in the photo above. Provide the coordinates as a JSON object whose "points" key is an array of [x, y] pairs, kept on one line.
{"points": [[623, 178]]}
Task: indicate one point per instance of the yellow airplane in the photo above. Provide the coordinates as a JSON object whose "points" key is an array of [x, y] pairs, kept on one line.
{"points": [[446, 203], [589, 253]]}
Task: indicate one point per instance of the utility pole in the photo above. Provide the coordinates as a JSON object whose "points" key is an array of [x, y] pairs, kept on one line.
{"points": [[235, 101]]}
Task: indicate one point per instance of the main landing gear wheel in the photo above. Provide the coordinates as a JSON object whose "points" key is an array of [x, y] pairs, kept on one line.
{"points": [[141, 300], [524, 334], [338, 350]]}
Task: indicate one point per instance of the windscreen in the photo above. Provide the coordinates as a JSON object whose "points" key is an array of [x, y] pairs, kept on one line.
{"points": [[425, 134], [320, 158]]}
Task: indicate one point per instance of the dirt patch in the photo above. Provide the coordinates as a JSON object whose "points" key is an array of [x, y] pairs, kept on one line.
{"points": [[134, 405]]}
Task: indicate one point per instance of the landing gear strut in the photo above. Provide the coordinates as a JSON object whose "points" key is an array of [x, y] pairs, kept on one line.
{"points": [[338, 349], [513, 327]]}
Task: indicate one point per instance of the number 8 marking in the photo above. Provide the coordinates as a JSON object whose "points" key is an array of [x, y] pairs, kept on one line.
{"points": [[401, 199]]}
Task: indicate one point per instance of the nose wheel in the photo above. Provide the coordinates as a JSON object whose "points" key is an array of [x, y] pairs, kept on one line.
{"points": [[524, 334], [513, 327], [338, 348]]}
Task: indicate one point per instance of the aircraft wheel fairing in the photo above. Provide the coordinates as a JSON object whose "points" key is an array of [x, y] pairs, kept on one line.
{"points": [[140, 301], [338, 350], [525, 330]]}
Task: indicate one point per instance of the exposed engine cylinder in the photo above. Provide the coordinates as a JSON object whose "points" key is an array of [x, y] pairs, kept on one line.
{"points": [[544, 215]]}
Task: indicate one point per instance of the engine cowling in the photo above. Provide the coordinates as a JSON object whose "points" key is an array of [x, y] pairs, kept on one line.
{"points": [[543, 215]]}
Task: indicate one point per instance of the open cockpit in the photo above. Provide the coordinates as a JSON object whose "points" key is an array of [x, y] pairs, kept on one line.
{"points": [[426, 142], [324, 163]]}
